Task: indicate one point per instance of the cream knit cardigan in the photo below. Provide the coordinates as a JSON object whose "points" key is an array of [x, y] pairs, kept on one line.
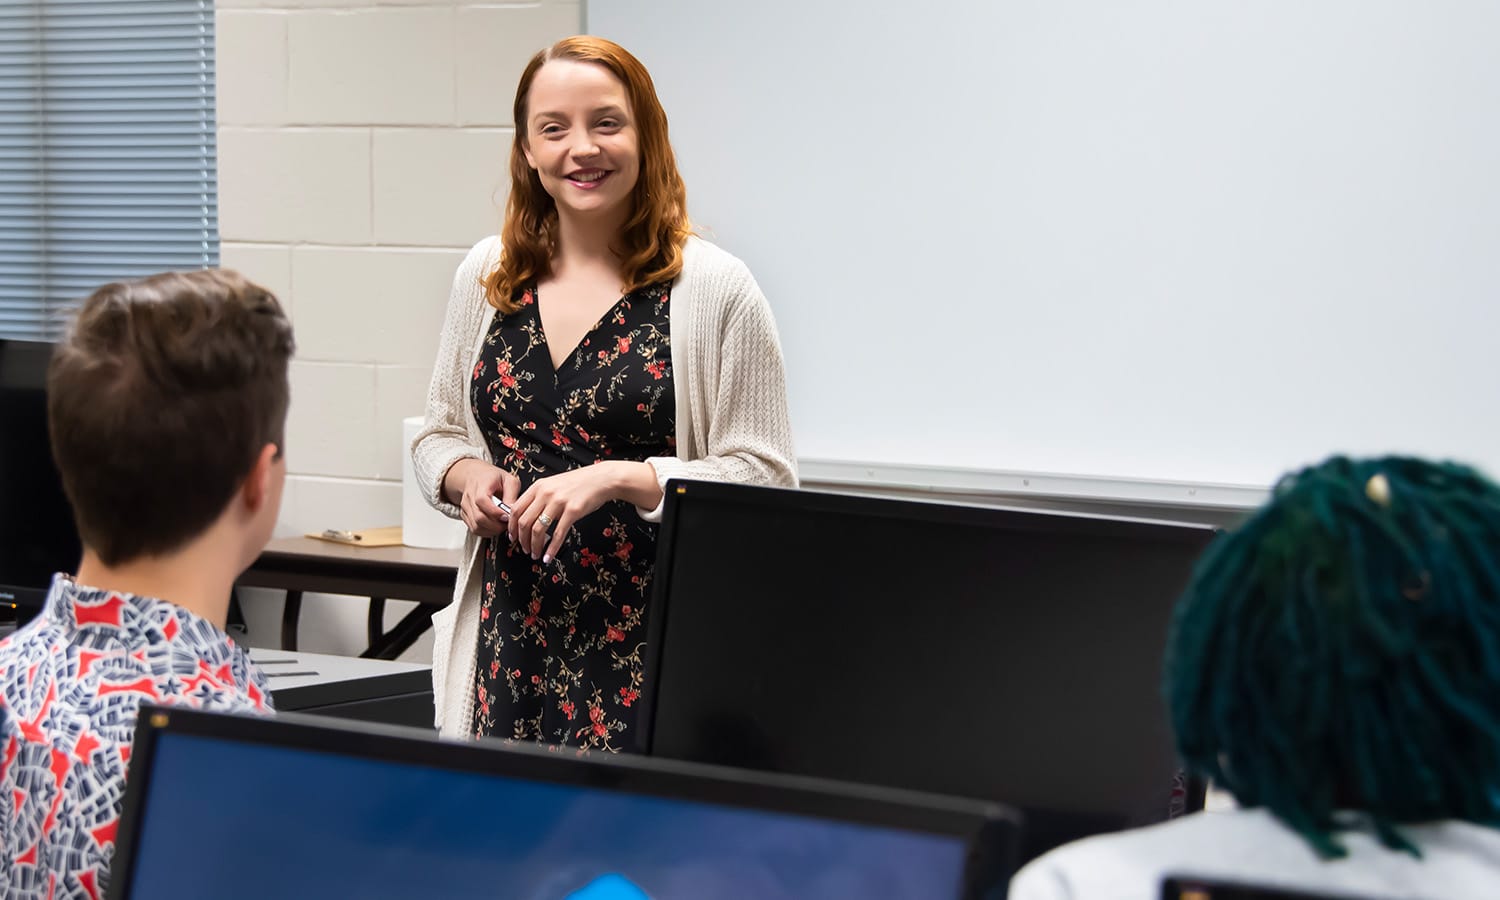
{"points": [[732, 422]]}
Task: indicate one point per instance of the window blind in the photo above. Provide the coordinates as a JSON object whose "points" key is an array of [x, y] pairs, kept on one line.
{"points": [[107, 150]]}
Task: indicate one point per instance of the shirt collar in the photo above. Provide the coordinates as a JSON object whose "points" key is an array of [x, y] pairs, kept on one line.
{"points": [[77, 607]]}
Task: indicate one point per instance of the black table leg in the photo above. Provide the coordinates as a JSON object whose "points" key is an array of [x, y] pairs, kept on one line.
{"points": [[289, 615], [234, 622], [393, 643], [375, 621]]}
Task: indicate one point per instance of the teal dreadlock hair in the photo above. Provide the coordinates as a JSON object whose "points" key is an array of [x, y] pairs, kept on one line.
{"points": [[1341, 650]]}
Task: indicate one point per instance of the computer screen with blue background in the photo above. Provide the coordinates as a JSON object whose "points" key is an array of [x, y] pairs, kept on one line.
{"points": [[231, 819]]}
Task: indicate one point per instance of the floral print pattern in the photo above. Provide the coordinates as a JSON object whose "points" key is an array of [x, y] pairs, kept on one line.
{"points": [[561, 646]]}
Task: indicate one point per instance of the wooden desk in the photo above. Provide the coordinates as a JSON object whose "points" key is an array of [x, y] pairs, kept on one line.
{"points": [[300, 564]]}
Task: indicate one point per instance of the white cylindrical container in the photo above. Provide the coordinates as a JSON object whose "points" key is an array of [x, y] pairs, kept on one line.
{"points": [[421, 525]]}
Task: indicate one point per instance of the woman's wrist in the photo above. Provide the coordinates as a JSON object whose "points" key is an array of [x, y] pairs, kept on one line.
{"points": [[636, 483], [453, 480]]}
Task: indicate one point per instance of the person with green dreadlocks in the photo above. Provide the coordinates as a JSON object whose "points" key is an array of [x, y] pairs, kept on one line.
{"points": [[1335, 666]]}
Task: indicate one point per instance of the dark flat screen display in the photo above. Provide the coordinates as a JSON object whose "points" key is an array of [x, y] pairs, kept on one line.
{"points": [[1007, 655], [37, 536]]}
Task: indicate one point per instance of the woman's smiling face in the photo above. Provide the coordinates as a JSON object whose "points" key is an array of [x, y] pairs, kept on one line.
{"points": [[581, 139]]}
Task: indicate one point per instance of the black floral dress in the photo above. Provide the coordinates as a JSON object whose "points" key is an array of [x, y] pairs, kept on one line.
{"points": [[561, 645]]}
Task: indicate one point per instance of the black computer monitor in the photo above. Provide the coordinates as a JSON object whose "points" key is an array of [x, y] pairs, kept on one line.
{"points": [[1004, 654], [234, 807], [37, 535]]}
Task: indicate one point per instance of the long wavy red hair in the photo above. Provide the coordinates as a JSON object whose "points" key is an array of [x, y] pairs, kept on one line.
{"points": [[651, 241]]}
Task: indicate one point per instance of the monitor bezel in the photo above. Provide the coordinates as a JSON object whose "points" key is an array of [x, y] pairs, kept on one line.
{"points": [[22, 599], [935, 513], [990, 831]]}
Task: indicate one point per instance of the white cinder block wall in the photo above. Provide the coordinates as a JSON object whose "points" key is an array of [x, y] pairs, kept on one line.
{"points": [[362, 149]]}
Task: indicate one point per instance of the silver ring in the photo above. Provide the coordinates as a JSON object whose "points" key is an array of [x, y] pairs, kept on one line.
{"points": [[545, 519]]}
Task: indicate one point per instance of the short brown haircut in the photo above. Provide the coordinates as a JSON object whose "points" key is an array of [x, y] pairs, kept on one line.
{"points": [[159, 400]]}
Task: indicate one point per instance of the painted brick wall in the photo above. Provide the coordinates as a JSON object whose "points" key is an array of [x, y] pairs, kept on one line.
{"points": [[362, 151]]}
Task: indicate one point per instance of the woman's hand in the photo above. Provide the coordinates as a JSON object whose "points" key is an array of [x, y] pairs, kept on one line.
{"points": [[557, 502], [475, 483]]}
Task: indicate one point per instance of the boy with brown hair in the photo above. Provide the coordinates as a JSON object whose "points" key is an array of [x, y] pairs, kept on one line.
{"points": [[166, 405]]}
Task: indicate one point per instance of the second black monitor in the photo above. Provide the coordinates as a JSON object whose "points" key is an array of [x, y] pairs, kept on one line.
{"points": [[1002, 654]]}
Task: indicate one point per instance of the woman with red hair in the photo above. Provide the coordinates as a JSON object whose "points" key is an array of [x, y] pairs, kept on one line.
{"points": [[592, 350]]}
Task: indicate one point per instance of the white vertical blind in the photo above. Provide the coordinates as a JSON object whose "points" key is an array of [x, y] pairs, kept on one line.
{"points": [[107, 151]]}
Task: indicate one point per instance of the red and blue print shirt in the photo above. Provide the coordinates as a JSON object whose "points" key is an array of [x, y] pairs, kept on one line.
{"points": [[71, 683]]}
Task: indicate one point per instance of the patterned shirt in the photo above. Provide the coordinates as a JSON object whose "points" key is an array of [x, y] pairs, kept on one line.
{"points": [[70, 685]]}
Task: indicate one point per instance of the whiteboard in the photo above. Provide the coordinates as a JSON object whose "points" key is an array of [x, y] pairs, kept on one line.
{"points": [[1197, 241]]}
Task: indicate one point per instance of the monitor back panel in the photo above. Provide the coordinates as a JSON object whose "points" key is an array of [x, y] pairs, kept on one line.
{"points": [[1008, 655]]}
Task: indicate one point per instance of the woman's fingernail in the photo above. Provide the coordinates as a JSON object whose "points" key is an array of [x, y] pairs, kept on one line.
{"points": [[546, 558]]}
